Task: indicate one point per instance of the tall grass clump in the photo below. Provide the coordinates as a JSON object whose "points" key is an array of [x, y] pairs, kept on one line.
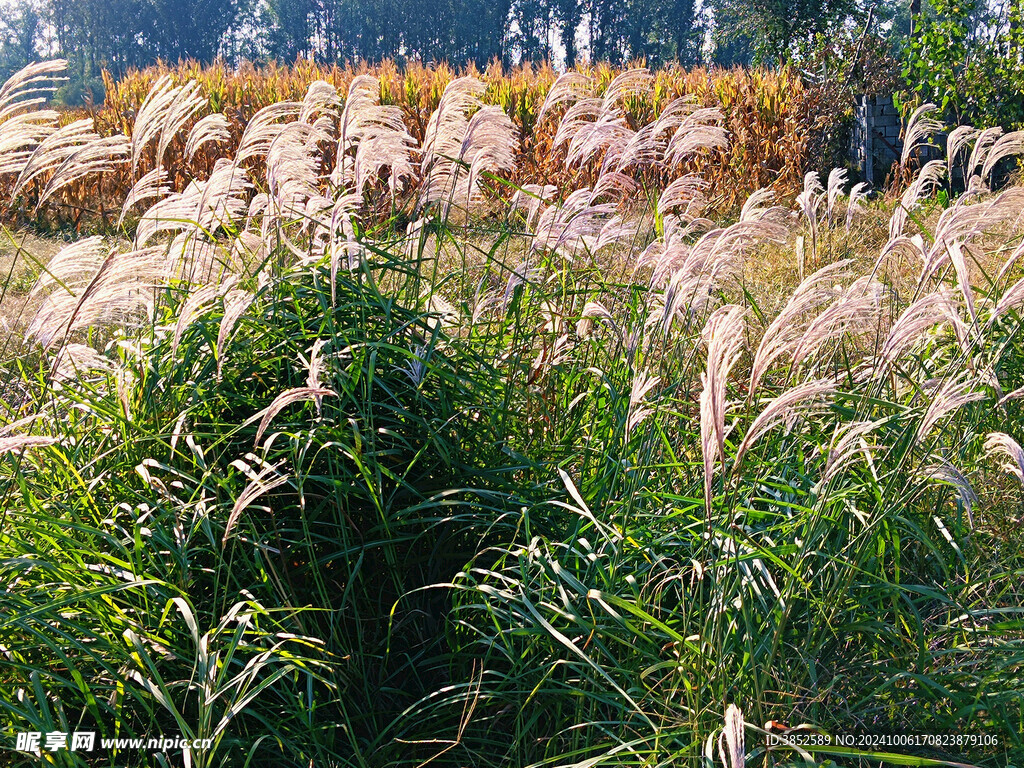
{"points": [[359, 448]]}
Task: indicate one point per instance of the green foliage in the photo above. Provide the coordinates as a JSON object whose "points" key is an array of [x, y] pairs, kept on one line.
{"points": [[478, 532], [774, 30], [80, 92], [938, 54], [968, 62]]}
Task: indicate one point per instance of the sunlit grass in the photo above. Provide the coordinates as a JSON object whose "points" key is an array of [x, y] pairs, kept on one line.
{"points": [[334, 490]]}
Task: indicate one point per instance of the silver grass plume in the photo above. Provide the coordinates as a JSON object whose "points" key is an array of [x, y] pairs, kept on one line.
{"points": [[489, 145], [268, 478], [616, 187], [213, 128], [686, 192], [530, 198], [21, 135], [185, 104], [29, 86], [614, 231], [926, 181], [848, 443], [150, 185], [236, 302], [75, 360], [321, 100], [784, 334], [919, 128], [798, 401], [643, 150], [580, 115], [567, 230], [343, 220], [946, 473], [314, 363], [961, 224], [1006, 146], [631, 82], [98, 156], [715, 255], [568, 88], [837, 179], [723, 336], [596, 310], [149, 119], [18, 443], [122, 285], [607, 136], [854, 204], [198, 301], [1001, 446], [901, 245], [201, 207], [809, 201], [642, 384], [387, 149], [283, 400], [53, 150], [963, 278], [755, 207], [1012, 298], [681, 226], [956, 142], [366, 120], [699, 130], [915, 322], [952, 394], [1016, 394], [731, 747], [446, 128], [221, 199], [694, 272], [264, 127], [293, 166], [855, 308], [668, 123], [982, 146], [73, 266], [447, 144]]}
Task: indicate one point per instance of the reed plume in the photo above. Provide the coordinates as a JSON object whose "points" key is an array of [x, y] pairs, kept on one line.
{"points": [[723, 337], [919, 129], [1008, 452]]}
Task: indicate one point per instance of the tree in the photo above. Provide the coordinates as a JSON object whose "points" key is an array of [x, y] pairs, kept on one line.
{"points": [[289, 28], [686, 32], [186, 29], [20, 27], [94, 35], [772, 29]]}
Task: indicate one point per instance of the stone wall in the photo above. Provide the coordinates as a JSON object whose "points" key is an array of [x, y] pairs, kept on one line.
{"points": [[876, 137]]}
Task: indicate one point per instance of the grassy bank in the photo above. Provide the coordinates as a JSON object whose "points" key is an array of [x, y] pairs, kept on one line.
{"points": [[458, 470]]}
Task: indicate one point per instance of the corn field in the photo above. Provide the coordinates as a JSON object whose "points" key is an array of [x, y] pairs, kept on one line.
{"points": [[769, 115], [403, 418]]}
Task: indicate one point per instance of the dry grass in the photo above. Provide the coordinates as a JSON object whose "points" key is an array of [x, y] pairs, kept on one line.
{"points": [[23, 257], [770, 118]]}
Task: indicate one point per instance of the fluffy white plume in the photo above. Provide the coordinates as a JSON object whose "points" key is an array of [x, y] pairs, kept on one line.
{"points": [[1001, 446], [723, 336], [210, 129], [919, 128]]}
